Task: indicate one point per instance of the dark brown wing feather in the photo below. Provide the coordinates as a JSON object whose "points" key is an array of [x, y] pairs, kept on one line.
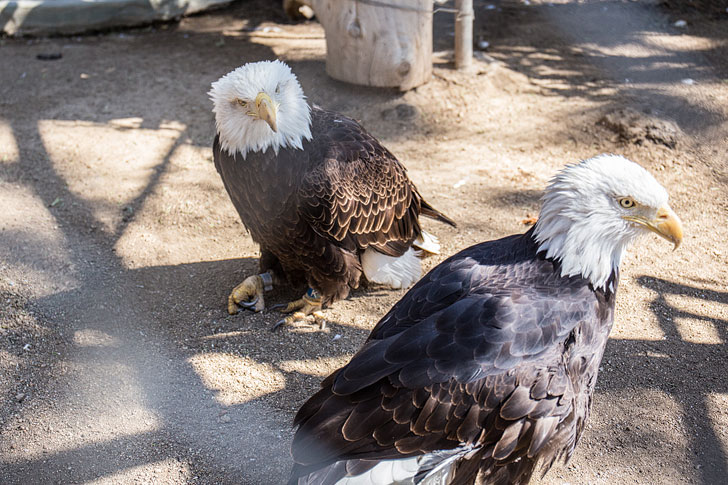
{"points": [[492, 349], [360, 195]]}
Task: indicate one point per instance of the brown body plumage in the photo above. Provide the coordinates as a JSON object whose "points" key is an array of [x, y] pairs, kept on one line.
{"points": [[315, 210]]}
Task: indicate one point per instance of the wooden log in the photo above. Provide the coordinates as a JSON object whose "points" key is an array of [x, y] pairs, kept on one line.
{"points": [[385, 43], [464, 34]]}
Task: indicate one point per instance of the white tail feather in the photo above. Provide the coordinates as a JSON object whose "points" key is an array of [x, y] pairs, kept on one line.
{"points": [[430, 469], [386, 472], [427, 242], [400, 272]]}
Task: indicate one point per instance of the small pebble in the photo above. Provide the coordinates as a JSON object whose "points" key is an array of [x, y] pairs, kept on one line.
{"points": [[680, 23], [306, 11], [688, 81], [460, 183], [20, 396]]}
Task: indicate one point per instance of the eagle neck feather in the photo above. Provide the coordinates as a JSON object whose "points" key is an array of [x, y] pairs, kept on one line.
{"points": [[587, 246]]}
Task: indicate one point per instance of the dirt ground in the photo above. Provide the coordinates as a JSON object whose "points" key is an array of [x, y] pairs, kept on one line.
{"points": [[118, 244]]}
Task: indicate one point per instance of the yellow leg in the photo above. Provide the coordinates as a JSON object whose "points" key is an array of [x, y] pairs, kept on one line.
{"points": [[319, 319], [310, 304], [248, 294]]}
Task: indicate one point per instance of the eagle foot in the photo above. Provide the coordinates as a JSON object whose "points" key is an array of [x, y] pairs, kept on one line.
{"points": [[249, 294], [309, 304]]}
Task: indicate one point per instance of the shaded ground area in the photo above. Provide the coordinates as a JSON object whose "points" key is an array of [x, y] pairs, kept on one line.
{"points": [[118, 362]]}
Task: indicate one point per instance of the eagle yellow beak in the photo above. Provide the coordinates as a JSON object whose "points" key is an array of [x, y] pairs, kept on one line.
{"points": [[667, 225], [266, 110]]}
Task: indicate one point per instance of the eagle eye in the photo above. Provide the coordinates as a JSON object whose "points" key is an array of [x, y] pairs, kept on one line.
{"points": [[626, 202], [278, 89], [242, 103]]}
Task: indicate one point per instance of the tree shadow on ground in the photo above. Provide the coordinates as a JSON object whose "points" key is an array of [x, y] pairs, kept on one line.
{"points": [[593, 36], [660, 365], [141, 312], [151, 351]]}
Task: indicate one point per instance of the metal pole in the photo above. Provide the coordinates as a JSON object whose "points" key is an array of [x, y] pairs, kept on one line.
{"points": [[464, 34]]}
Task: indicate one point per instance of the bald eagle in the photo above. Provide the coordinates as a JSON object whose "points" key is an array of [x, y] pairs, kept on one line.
{"points": [[486, 367], [322, 197]]}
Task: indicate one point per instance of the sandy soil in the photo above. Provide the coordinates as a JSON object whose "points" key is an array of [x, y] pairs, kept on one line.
{"points": [[118, 245]]}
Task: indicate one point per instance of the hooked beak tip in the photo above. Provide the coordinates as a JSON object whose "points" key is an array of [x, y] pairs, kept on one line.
{"points": [[266, 110], [668, 225]]}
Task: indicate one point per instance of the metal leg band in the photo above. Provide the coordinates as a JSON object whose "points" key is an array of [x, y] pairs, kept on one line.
{"points": [[267, 279]]}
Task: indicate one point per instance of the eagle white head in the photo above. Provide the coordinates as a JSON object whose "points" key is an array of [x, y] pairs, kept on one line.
{"points": [[593, 209], [259, 106]]}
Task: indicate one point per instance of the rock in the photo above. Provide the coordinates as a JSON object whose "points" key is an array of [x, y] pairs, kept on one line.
{"points": [[637, 127], [403, 112], [298, 9], [306, 11], [20, 397]]}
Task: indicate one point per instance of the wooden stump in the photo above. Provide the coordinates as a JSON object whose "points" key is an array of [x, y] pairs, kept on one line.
{"points": [[385, 43]]}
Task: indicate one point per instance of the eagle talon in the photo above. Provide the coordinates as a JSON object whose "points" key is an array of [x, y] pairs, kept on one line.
{"points": [[249, 304], [293, 306], [297, 317], [301, 308], [319, 319], [248, 295], [277, 306]]}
